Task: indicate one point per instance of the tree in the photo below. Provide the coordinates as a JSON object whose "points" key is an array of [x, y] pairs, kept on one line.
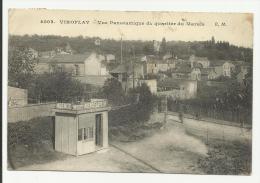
{"points": [[146, 102], [163, 49], [148, 49], [58, 86], [21, 63], [113, 91]]}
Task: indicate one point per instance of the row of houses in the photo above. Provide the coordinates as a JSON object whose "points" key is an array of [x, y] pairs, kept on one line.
{"points": [[91, 68], [196, 68]]}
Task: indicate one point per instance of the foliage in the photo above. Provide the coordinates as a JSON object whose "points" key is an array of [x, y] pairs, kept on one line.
{"points": [[57, 86], [214, 50], [137, 112], [31, 142], [21, 62], [146, 102], [163, 47], [233, 158], [113, 91], [227, 100]]}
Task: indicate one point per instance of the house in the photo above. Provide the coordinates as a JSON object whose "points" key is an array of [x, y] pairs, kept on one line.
{"points": [[201, 62], [228, 67], [110, 58], [77, 64], [153, 65], [212, 74], [177, 88], [89, 68], [47, 54], [83, 128], [182, 71], [223, 67], [151, 83], [121, 73], [208, 74], [17, 97], [195, 74]]}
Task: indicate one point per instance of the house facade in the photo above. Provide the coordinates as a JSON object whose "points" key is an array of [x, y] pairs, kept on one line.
{"points": [[223, 68], [195, 74], [228, 68], [77, 64], [153, 65], [177, 89], [201, 62]]}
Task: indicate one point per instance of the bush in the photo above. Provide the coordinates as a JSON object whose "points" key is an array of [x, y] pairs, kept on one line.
{"points": [[58, 86], [233, 158]]}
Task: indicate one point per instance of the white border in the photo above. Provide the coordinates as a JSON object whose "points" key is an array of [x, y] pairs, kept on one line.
{"points": [[137, 5]]}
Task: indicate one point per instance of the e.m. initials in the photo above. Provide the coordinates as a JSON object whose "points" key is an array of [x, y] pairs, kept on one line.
{"points": [[220, 24]]}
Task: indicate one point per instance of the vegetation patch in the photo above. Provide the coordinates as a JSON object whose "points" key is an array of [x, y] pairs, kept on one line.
{"points": [[227, 158], [31, 142]]}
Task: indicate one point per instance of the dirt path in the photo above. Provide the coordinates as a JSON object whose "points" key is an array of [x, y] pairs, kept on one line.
{"points": [[169, 150], [112, 160]]}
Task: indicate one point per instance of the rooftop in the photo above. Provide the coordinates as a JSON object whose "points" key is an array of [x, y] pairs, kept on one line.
{"points": [[174, 83], [66, 58]]}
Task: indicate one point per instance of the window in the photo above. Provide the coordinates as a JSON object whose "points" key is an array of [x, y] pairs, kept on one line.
{"points": [[80, 131], [77, 69], [85, 133]]}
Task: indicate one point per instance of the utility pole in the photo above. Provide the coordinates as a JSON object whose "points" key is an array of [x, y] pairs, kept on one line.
{"points": [[166, 109], [121, 52], [133, 66]]}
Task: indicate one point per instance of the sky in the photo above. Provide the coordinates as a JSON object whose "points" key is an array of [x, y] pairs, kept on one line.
{"points": [[237, 28]]}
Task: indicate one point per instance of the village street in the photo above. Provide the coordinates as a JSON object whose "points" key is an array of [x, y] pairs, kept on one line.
{"points": [[168, 151]]}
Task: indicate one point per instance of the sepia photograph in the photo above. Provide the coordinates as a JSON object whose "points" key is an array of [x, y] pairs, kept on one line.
{"points": [[130, 91]]}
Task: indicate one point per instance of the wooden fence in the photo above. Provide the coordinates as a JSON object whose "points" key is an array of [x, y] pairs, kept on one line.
{"points": [[30, 111]]}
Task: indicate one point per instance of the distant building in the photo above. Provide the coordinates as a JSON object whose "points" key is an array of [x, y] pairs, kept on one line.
{"points": [[212, 74], [201, 62], [78, 64], [195, 74], [17, 97], [89, 68], [47, 54], [177, 88], [183, 71], [110, 58], [154, 64], [208, 74], [223, 67]]}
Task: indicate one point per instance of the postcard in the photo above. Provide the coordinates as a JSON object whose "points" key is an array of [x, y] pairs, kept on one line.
{"points": [[130, 91]]}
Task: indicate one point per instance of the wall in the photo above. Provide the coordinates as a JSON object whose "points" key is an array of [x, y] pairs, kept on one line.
{"points": [[65, 134], [41, 68], [17, 96], [93, 65], [25, 113], [213, 130]]}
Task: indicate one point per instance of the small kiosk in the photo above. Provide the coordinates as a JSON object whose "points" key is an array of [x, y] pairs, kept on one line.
{"points": [[81, 129]]}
